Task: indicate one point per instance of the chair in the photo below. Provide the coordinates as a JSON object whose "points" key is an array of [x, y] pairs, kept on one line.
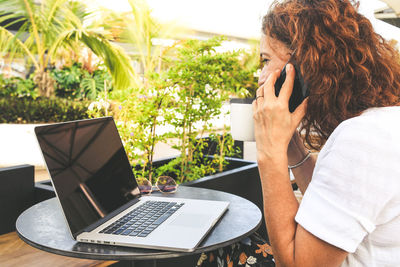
{"points": [[18, 192]]}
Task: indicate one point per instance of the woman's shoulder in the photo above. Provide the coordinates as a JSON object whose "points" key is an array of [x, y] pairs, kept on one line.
{"points": [[374, 121], [375, 129], [380, 112], [373, 114]]}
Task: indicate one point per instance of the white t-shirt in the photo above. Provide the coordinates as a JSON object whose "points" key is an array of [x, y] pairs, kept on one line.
{"points": [[353, 200]]}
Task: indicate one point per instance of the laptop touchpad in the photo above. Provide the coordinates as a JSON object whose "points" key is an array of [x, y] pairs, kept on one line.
{"points": [[192, 220]]}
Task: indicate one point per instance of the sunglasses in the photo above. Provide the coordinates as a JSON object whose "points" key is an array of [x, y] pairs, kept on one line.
{"points": [[165, 184]]}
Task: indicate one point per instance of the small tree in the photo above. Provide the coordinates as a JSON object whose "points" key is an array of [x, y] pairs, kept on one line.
{"points": [[141, 114], [202, 80]]}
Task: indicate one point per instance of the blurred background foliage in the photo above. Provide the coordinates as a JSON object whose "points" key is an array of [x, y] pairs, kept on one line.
{"points": [[62, 61]]}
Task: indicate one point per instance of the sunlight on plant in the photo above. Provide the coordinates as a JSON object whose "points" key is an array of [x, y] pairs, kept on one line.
{"points": [[54, 25]]}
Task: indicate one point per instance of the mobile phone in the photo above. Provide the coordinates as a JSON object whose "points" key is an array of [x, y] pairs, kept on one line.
{"points": [[300, 89]]}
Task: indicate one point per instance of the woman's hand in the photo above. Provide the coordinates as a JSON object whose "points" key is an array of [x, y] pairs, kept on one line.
{"points": [[274, 125]]}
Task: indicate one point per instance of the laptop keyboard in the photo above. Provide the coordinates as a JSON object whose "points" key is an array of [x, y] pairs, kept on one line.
{"points": [[141, 221]]}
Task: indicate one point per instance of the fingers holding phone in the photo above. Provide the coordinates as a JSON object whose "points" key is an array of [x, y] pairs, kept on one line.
{"points": [[291, 86], [284, 89], [300, 89], [281, 93]]}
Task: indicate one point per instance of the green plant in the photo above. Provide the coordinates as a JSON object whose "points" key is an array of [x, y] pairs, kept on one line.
{"points": [[143, 106], [184, 99], [141, 115], [75, 82], [202, 80], [40, 110], [225, 147], [250, 62], [53, 26], [206, 160], [17, 87]]}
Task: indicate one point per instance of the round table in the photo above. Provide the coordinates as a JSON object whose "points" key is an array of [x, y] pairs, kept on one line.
{"points": [[43, 226]]}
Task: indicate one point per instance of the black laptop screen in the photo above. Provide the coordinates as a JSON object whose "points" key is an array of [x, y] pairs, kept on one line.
{"points": [[89, 169]]}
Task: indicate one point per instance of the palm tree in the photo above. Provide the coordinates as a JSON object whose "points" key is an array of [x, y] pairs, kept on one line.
{"points": [[51, 26], [142, 31]]}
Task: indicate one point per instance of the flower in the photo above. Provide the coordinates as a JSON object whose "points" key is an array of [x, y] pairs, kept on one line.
{"points": [[251, 260], [101, 104], [91, 106], [264, 249], [211, 257], [242, 258], [208, 89], [202, 258]]}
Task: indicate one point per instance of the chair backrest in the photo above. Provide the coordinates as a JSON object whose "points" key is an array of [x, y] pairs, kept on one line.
{"points": [[16, 194]]}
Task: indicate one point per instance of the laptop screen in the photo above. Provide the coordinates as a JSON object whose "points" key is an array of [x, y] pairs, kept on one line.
{"points": [[89, 169]]}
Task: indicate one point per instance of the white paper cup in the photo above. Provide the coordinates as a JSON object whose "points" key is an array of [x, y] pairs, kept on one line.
{"points": [[242, 124]]}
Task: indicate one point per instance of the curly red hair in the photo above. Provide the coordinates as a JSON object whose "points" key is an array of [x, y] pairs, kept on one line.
{"points": [[347, 66]]}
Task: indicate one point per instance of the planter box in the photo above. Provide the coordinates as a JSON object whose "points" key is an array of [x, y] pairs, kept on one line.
{"points": [[211, 148]]}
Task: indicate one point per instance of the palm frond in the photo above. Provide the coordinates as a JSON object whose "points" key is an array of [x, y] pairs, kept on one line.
{"points": [[11, 44], [78, 9], [114, 58], [9, 20], [55, 24], [30, 8], [116, 61], [52, 8], [15, 7]]}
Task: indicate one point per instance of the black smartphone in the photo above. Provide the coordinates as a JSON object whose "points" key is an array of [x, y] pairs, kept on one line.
{"points": [[300, 89]]}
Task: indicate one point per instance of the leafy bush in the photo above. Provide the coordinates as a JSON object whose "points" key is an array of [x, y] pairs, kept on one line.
{"points": [[16, 86], [183, 100], [140, 115], [209, 158], [75, 82], [40, 110], [202, 79]]}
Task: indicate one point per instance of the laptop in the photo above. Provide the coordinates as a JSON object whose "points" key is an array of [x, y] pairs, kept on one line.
{"points": [[100, 198]]}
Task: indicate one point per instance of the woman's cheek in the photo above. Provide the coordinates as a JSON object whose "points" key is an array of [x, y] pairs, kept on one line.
{"points": [[263, 76]]}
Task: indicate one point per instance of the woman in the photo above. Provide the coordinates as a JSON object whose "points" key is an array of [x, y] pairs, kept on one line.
{"points": [[350, 212]]}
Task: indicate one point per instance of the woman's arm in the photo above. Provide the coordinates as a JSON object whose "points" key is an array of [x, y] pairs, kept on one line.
{"points": [[274, 127], [292, 245]]}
